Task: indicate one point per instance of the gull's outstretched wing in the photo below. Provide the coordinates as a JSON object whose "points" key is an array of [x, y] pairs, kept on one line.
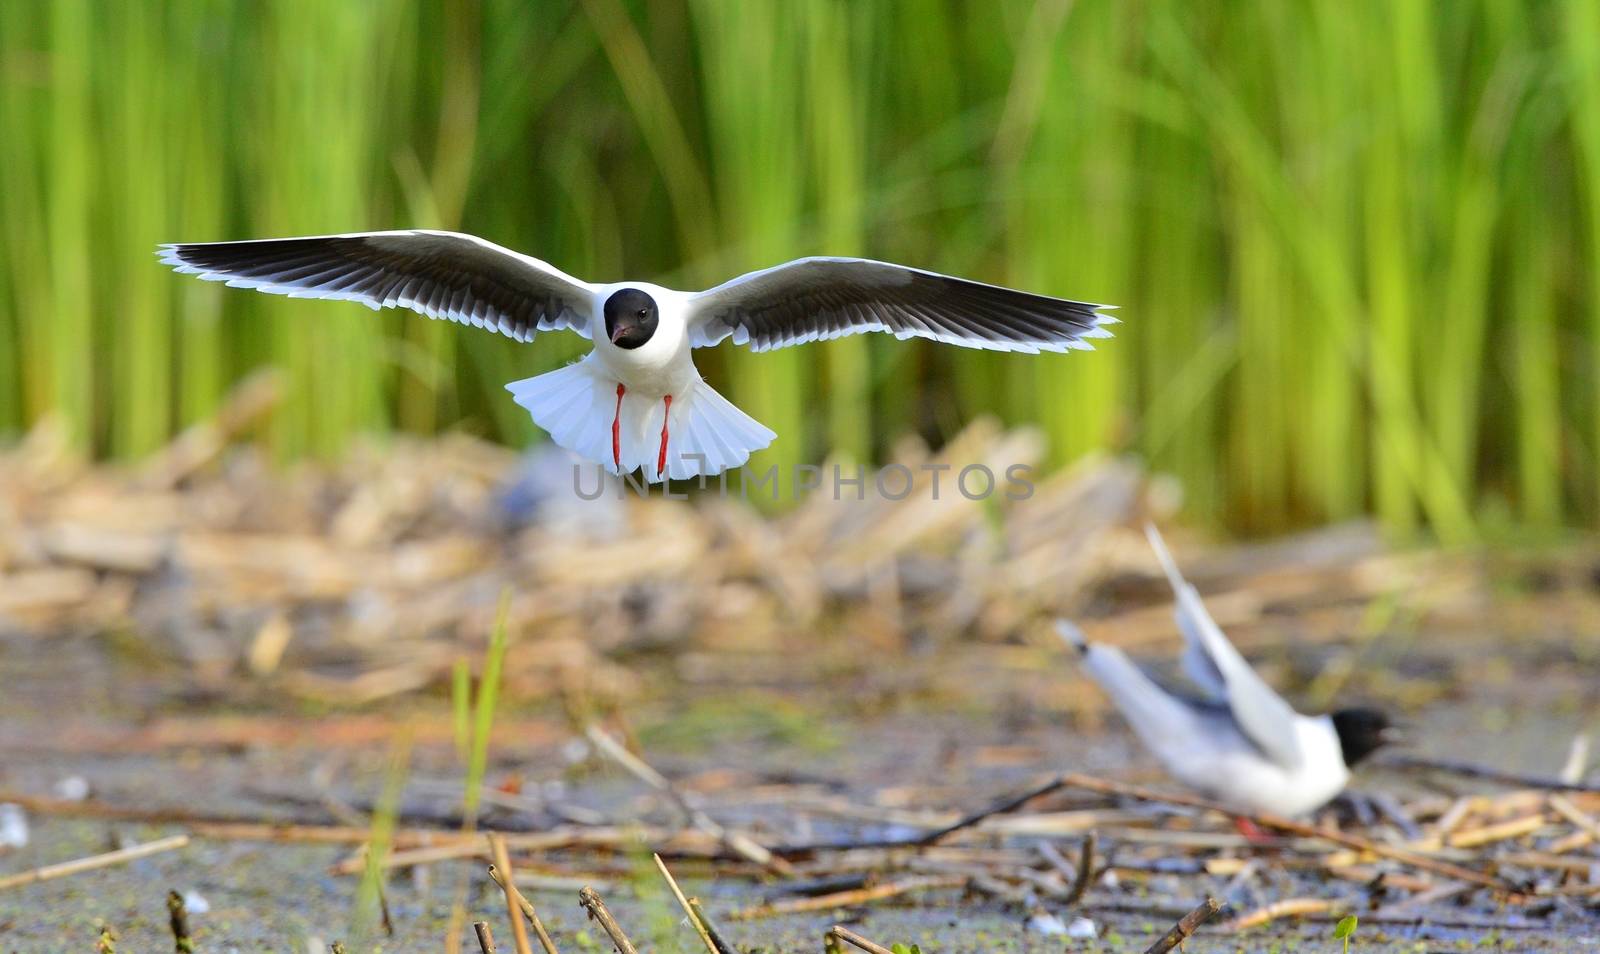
{"points": [[810, 299], [1187, 735], [1214, 665], [447, 275]]}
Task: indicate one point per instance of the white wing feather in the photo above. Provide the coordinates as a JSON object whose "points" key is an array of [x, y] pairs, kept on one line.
{"points": [[1212, 662]]}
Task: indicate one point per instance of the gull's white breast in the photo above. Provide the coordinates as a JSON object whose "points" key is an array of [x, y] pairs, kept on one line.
{"points": [[1235, 773]]}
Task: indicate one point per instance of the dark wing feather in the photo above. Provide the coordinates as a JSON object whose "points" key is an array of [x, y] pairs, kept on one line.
{"points": [[811, 299], [446, 275]]}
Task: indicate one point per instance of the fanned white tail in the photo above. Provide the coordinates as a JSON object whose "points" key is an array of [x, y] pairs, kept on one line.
{"points": [[577, 405]]}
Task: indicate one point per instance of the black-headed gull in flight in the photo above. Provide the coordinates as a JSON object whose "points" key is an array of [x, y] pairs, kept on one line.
{"points": [[1238, 741], [636, 401]]}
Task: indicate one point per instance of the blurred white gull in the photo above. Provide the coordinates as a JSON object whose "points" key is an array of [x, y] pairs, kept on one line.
{"points": [[1236, 741]]}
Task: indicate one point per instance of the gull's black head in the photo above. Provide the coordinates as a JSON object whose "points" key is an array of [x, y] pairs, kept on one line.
{"points": [[1361, 732], [630, 318]]}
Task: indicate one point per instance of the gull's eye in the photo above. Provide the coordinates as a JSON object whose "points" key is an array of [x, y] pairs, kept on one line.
{"points": [[644, 313]]}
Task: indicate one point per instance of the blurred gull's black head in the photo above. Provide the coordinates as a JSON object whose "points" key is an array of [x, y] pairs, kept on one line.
{"points": [[1362, 732]]}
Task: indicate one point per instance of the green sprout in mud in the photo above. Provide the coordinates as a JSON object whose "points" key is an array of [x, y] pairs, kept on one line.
{"points": [[1345, 930]]}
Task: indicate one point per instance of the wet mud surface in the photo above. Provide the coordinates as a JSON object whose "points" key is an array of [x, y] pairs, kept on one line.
{"points": [[791, 754]]}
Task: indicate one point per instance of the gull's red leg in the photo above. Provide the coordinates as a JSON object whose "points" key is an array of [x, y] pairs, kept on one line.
{"points": [[616, 429], [1251, 831], [661, 459]]}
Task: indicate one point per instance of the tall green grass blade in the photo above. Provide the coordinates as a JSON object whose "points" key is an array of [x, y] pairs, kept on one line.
{"points": [[461, 708], [370, 894], [838, 154], [1356, 247], [484, 709], [1580, 34], [70, 191], [757, 160]]}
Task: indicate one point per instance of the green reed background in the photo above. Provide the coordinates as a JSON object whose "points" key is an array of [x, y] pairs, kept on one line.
{"points": [[1357, 244]]}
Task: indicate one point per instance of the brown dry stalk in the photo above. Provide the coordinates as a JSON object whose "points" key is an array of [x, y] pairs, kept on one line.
{"points": [[590, 900], [502, 861], [839, 899], [65, 868], [357, 863], [485, 936], [1080, 884], [1186, 926], [1575, 815], [1302, 829], [851, 937], [1489, 834], [178, 918], [1287, 908]]}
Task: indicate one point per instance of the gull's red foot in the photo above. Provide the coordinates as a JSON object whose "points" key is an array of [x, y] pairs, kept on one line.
{"points": [[616, 429], [661, 459], [1251, 831]]}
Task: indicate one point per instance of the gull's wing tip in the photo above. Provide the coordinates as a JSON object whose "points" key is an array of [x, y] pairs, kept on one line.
{"points": [[171, 253], [1169, 566], [1072, 635]]}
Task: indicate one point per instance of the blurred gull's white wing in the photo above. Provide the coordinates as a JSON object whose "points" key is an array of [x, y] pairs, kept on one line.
{"points": [[1187, 736], [811, 299], [448, 275], [1212, 662]]}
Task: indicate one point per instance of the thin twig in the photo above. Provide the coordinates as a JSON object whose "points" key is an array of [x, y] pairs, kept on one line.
{"points": [[851, 937], [1000, 808], [1421, 900], [502, 862], [485, 936], [1302, 829], [1485, 772], [722, 944], [597, 912], [839, 899], [65, 868], [527, 911], [694, 920], [737, 842], [1186, 926]]}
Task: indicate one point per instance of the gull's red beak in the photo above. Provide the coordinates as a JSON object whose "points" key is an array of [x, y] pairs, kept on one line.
{"points": [[618, 332]]}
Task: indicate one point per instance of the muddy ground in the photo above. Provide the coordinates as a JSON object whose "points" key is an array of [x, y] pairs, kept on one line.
{"points": [[761, 742]]}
